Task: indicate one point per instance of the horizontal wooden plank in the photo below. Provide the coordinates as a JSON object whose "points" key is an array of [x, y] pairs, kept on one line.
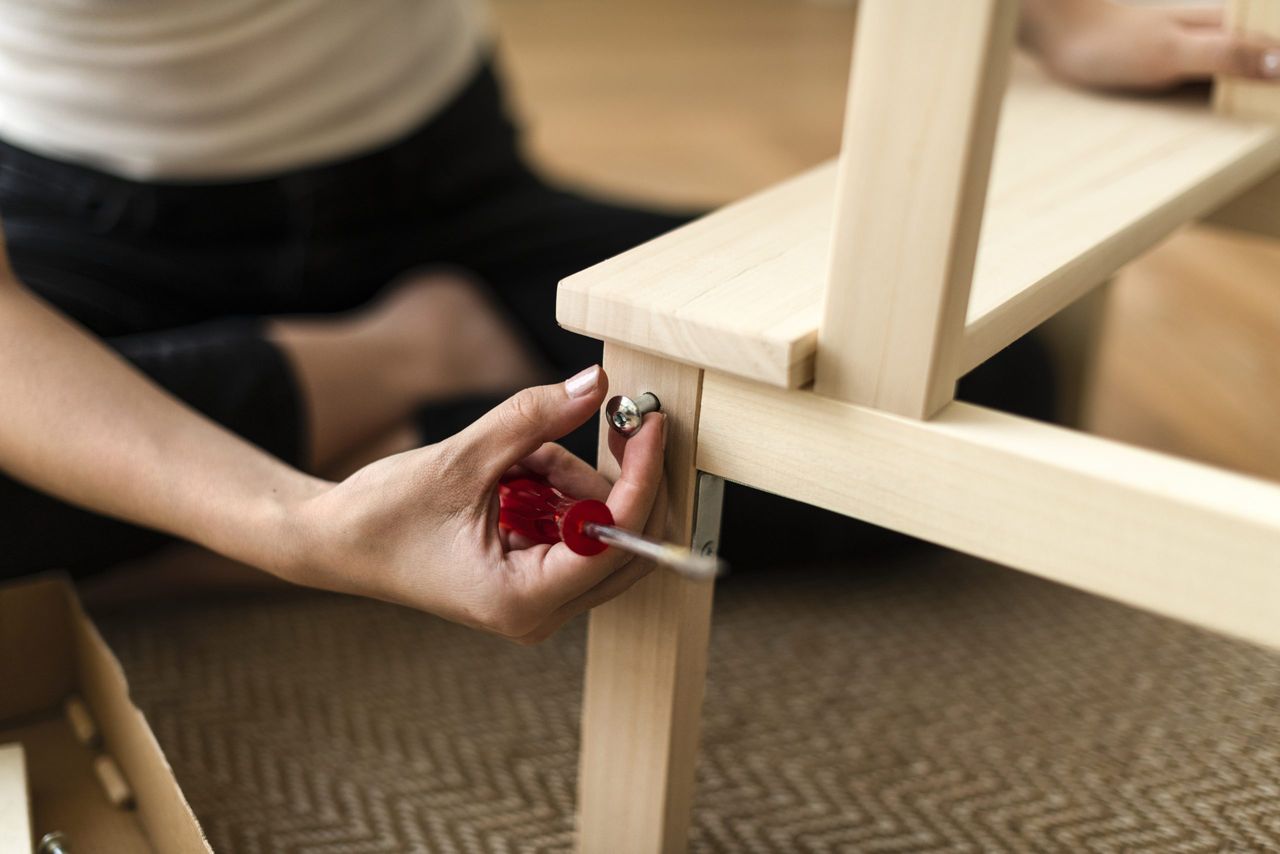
{"points": [[1085, 183], [1175, 537], [1082, 183], [737, 290]]}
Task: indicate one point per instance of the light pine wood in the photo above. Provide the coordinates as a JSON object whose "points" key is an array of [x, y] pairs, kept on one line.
{"points": [[15, 801], [647, 655], [925, 91], [1257, 210], [1175, 537], [1073, 337], [1234, 96], [1124, 175], [1081, 184], [736, 290]]}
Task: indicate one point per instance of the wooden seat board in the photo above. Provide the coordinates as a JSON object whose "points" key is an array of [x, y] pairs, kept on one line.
{"points": [[1082, 183]]}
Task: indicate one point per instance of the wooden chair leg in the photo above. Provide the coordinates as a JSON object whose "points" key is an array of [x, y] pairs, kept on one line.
{"points": [[647, 656], [1074, 336]]}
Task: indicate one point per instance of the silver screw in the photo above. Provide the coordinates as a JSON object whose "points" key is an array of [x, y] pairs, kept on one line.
{"points": [[53, 843], [626, 415]]}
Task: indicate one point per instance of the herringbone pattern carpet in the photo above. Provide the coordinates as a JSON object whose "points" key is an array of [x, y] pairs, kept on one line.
{"points": [[935, 705]]}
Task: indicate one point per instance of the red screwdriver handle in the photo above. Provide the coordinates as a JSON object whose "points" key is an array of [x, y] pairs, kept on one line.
{"points": [[537, 510]]}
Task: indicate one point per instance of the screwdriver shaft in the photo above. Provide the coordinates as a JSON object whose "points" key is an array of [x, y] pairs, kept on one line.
{"points": [[684, 561]]}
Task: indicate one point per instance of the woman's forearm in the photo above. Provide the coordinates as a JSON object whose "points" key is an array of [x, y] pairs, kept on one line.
{"points": [[82, 424]]}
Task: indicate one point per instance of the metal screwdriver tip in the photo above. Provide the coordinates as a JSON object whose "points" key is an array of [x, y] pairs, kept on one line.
{"points": [[690, 564]]}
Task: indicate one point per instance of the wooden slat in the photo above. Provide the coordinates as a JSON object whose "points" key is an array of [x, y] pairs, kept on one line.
{"points": [[1081, 184], [1234, 96], [647, 656], [1122, 175], [737, 290], [1257, 210], [924, 96], [1073, 337], [1175, 537]]}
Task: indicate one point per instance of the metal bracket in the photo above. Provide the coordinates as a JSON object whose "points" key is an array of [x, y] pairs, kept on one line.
{"points": [[708, 501]]}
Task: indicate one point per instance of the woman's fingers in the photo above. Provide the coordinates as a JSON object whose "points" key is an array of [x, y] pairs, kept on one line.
{"points": [[568, 473], [1204, 53], [563, 576], [640, 458], [615, 585], [520, 425]]}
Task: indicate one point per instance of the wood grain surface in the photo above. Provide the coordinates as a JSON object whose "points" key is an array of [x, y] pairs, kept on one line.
{"points": [[925, 93], [1178, 538], [1081, 185], [647, 655]]}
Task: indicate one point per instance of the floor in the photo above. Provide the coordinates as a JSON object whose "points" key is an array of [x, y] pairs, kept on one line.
{"points": [[698, 103], [932, 703]]}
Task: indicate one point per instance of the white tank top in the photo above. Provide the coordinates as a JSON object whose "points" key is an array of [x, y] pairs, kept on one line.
{"points": [[226, 89]]}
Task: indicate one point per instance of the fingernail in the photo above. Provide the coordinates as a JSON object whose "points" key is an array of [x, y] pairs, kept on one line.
{"points": [[583, 383], [1271, 63]]}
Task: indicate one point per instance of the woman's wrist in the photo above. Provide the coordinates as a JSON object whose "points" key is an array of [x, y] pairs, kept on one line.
{"points": [[273, 535], [296, 547]]}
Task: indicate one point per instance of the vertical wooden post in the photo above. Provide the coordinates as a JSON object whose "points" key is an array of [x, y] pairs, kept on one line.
{"points": [[1074, 338], [647, 655], [924, 99], [1253, 99], [1257, 209]]}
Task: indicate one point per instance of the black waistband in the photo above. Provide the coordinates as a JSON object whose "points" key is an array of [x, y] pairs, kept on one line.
{"points": [[471, 133]]}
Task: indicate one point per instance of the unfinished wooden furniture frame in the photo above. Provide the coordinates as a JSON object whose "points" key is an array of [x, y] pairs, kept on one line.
{"points": [[807, 341]]}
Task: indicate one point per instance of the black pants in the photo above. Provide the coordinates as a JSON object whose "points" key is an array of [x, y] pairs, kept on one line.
{"points": [[176, 277]]}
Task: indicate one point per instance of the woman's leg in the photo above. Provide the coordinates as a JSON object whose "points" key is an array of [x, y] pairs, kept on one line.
{"points": [[434, 338]]}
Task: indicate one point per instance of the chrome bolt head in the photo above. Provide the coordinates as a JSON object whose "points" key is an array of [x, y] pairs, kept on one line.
{"points": [[53, 843], [626, 415]]}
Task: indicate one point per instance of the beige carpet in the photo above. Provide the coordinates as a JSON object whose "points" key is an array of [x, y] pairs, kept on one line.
{"points": [[938, 704]]}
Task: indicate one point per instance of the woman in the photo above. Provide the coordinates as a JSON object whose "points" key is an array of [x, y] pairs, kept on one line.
{"points": [[308, 221]]}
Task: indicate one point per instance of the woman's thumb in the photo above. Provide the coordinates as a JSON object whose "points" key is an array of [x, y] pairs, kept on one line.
{"points": [[520, 425]]}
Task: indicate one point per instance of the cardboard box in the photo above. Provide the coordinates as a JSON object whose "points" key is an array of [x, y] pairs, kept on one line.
{"points": [[50, 650]]}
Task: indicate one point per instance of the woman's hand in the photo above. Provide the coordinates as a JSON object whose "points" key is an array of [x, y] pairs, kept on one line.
{"points": [[421, 528], [1104, 45]]}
